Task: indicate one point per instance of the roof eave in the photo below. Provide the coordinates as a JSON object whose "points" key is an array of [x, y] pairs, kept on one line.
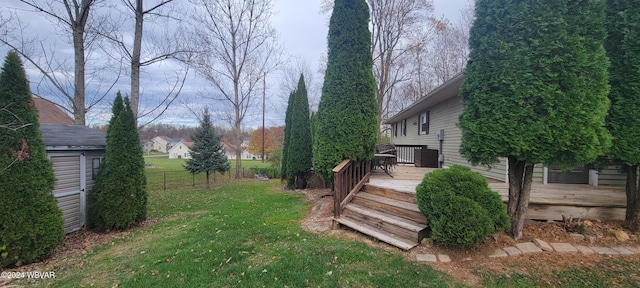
{"points": [[436, 96]]}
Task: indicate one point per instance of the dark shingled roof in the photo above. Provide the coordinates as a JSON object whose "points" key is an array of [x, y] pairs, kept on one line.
{"points": [[72, 136]]}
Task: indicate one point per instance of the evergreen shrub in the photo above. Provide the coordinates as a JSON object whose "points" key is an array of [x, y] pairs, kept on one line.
{"points": [[460, 207], [31, 224]]}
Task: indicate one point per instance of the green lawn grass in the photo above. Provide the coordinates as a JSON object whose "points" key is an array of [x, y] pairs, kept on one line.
{"points": [[248, 234], [243, 234]]}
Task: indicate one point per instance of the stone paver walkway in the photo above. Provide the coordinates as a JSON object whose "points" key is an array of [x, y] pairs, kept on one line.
{"points": [[540, 246]]}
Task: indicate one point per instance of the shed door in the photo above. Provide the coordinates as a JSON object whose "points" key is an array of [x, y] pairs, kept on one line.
{"points": [[579, 175], [69, 189]]}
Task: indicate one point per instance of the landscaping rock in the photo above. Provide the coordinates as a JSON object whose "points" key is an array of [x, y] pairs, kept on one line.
{"points": [[564, 247], [604, 251], [622, 250], [512, 251], [590, 238], [635, 250], [498, 253], [426, 258], [584, 249], [528, 247], [620, 235], [577, 236], [444, 258], [427, 242], [542, 244]]}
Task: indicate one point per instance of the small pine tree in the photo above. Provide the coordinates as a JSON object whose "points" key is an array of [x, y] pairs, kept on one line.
{"points": [[31, 224], [118, 200], [347, 125], [207, 153], [299, 150]]}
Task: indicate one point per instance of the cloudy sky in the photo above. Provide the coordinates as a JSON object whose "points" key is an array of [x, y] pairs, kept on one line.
{"points": [[302, 30]]}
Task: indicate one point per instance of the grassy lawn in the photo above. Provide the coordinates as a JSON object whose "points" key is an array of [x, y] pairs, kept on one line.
{"points": [[248, 234], [245, 234]]}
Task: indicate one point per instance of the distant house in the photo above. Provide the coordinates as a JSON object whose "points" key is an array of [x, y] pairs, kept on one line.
{"points": [[160, 143], [230, 150], [75, 152], [182, 150], [432, 122]]}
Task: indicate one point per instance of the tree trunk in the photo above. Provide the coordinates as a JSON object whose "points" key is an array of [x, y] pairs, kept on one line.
{"points": [[207, 185], [79, 69], [135, 59], [520, 178], [632, 217]]}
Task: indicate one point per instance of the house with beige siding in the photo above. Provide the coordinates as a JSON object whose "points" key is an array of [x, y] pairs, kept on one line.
{"points": [[182, 150], [432, 122], [160, 143]]}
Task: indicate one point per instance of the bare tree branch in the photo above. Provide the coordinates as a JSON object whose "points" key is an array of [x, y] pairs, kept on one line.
{"points": [[241, 50]]}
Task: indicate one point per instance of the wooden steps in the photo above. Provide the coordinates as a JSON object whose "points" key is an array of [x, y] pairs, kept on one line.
{"points": [[387, 215]]}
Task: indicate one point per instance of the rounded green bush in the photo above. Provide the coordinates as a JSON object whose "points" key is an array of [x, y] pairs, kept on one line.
{"points": [[460, 207]]}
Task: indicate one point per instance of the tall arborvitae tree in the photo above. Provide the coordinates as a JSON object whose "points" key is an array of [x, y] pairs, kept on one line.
{"points": [[207, 153], [287, 140], [31, 224], [299, 150], [535, 90], [346, 126], [118, 200], [622, 44]]}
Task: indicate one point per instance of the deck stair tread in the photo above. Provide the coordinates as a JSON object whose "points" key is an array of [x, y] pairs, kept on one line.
{"points": [[390, 193], [386, 217], [383, 236], [391, 202]]}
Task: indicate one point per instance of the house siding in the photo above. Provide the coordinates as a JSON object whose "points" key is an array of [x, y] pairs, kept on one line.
{"points": [[612, 176], [445, 116]]}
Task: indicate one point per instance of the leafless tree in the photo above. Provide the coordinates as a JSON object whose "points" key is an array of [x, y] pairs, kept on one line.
{"points": [[289, 82], [162, 15], [240, 49], [71, 19], [397, 27], [443, 55]]}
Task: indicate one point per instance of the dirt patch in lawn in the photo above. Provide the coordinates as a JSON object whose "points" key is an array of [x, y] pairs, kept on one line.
{"points": [[468, 263]]}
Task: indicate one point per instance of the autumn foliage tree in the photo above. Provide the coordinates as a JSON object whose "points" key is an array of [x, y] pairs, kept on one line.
{"points": [[273, 139]]}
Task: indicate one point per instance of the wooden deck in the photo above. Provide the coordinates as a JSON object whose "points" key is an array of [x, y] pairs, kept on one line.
{"points": [[548, 202]]}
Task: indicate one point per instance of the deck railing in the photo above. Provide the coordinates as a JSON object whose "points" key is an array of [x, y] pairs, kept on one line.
{"points": [[404, 153], [348, 178]]}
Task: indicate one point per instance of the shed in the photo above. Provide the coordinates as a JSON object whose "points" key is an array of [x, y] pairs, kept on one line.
{"points": [[75, 152]]}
